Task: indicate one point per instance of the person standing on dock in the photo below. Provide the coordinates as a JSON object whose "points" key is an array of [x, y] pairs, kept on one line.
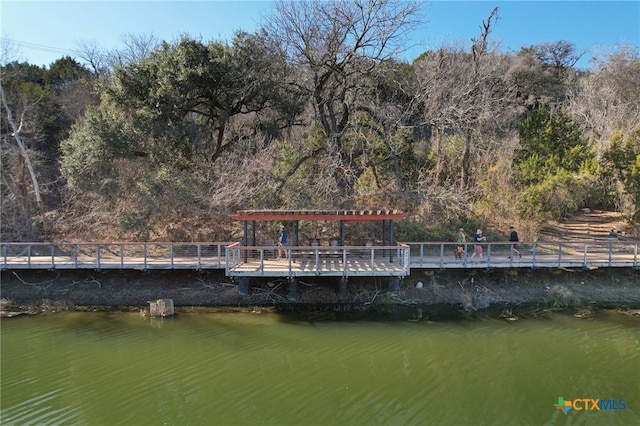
{"points": [[461, 248], [513, 237], [477, 247], [282, 241]]}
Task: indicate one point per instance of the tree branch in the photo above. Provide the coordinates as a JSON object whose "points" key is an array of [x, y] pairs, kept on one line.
{"points": [[23, 148]]}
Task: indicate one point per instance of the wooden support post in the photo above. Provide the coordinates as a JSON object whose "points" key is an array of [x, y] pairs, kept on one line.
{"points": [[161, 308], [294, 242], [342, 291], [391, 240], [394, 285], [245, 240], [293, 288], [384, 232], [253, 233], [243, 286]]}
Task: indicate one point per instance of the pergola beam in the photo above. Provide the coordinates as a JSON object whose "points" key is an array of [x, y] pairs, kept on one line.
{"points": [[342, 216], [319, 215]]}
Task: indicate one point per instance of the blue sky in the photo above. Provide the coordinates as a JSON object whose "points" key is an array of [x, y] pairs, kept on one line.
{"points": [[44, 31]]}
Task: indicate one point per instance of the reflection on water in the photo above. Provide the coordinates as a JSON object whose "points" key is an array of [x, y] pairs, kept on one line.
{"points": [[266, 368]]}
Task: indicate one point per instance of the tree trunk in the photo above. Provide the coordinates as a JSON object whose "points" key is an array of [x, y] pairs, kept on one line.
{"points": [[23, 148], [440, 160], [466, 159]]}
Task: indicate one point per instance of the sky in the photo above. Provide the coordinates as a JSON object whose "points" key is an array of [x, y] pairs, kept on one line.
{"points": [[39, 32]]}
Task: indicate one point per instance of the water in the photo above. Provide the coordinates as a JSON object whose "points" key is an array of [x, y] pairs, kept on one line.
{"points": [[243, 368]]}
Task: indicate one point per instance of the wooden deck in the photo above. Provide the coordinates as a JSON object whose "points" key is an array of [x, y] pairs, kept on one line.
{"points": [[324, 267], [240, 261], [390, 261]]}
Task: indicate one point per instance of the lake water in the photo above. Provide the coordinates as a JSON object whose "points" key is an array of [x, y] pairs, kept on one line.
{"points": [[270, 369]]}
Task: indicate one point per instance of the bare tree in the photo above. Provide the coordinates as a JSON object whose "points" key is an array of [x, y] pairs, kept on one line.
{"points": [[23, 149], [460, 91], [335, 46], [542, 74], [9, 51], [94, 56], [560, 54], [607, 98], [136, 47], [483, 90]]}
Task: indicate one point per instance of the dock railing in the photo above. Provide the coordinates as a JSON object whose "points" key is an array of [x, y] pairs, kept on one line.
{"points": [[140, 256], [575, 254], [314, 260]]}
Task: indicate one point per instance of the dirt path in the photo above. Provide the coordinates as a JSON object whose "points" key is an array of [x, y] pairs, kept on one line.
{"points": [[588, 225]]}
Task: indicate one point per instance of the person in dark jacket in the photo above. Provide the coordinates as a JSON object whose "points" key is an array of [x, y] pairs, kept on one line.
{"points": [[513, 238], [282, 241]]}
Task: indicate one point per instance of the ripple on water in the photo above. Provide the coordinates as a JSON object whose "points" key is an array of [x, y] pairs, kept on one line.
{"points": [[245, 368]]}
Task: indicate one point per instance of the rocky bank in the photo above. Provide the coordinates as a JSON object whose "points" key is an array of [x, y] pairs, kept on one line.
{"points": [[468, 291]]}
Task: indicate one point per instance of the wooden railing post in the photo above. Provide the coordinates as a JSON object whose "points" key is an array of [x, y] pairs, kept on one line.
{"points": [[533, 255], [559, 255], [317, 257], [144, 256], [584, 262]]}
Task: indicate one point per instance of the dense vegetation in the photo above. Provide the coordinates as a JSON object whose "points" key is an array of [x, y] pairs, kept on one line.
{"points": [[164, 139]]}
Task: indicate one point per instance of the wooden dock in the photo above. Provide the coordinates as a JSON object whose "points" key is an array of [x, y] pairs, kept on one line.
{"points": [[336, 261], [339, 261]]}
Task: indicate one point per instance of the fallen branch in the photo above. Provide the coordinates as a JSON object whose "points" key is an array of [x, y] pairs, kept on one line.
{"points": [[373, 298], [88, 281], [274, 297], [204, 284], [37, 285]]}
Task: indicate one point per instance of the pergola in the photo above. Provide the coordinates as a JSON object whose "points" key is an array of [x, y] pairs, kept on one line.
{"points": [[342, 216]]}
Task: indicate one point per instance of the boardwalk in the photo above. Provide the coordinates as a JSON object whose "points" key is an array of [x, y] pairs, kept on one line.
{"points": [[603, 253], [240, 261]]}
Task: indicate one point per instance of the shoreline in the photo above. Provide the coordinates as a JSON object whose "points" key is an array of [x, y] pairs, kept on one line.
{"points": [[426, 293]]}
